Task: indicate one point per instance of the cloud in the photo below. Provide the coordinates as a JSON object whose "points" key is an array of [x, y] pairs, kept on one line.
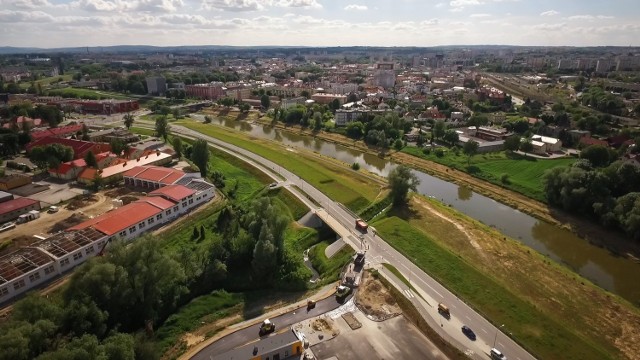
{"points": [[298, 3], [126, 6], [479, 15], [549, 27], [589, 17], [356, 7], [549, 13], [233, 5]]}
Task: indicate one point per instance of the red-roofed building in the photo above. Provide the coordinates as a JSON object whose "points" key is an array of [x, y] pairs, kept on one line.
{"points": [[118, 167], [174, 192], [124, 221], [80, 148], [22, 120], [68, 170], [152, 177], [12, 209], [588, 141], [56, 132]]}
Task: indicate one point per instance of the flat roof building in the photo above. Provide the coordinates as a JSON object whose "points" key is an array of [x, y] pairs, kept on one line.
{"points": [[280, 346]]}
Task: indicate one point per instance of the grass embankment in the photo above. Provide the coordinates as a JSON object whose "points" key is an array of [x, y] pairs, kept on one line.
{"points": [[524, 174], [329, 268], [46, 81], [335, 179], [550, 310], [86, 94]]}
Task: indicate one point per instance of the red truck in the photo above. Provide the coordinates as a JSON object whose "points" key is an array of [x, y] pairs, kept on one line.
{"points": [[361, 225]]}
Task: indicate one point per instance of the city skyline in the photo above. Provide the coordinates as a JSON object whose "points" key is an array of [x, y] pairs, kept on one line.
{"points": [[70, 23]]}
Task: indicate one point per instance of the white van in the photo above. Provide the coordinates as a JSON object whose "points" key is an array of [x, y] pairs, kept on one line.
{"points": [[497, 355]]}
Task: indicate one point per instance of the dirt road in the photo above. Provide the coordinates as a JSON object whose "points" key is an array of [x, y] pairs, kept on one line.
{"points": [[24, 233]]}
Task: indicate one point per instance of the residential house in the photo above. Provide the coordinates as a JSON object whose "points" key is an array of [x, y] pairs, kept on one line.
{"points": [[115, 171], [544, 144]]}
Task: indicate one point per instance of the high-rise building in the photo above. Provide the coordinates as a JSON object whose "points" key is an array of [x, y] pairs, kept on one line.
{"points": [[384, 75], [156, 85]]}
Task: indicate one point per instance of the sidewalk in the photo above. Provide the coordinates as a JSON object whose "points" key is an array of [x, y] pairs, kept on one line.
{"points": [[324, 293]]}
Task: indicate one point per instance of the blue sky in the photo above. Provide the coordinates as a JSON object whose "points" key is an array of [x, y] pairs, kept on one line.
{"points": [[57, 23]]}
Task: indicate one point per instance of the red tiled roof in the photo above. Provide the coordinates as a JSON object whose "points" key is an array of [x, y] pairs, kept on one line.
{"points": [[158, 202], [591, 141], [66, 167], [63, 130], [155, 173], [174, 192], [79, 147], [15, 204], [121, 166], [120, 219]]}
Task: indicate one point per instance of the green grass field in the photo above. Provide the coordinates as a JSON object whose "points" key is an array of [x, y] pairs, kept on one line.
{"points": [[329, 268], [46, 81], [524, 173], [201, 310], [536, 330], [336, 180]]}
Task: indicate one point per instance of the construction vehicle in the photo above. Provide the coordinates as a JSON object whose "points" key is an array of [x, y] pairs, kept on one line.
{"points": [[311, 305], [267, 327], [361, 225], [359, 259], [342, 292]]}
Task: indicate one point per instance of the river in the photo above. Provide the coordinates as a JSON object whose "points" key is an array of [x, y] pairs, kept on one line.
{"points": [[611, 272]]}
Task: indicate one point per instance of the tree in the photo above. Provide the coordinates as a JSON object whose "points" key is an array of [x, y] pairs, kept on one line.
{"points": [[265, 101], [118, 146], [398, 144], [526, 147], [177, 146], [512, 143], [451, 137], [470, 148], [128, 120], [200, 155], [162, 127], [244, 107], [401, 180], [438, 129], [207, 119], [90, 159], [354, 129], [598, 155]]}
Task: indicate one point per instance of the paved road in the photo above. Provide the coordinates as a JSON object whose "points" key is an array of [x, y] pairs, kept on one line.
{"points": [[250, 334], [343, 221]]}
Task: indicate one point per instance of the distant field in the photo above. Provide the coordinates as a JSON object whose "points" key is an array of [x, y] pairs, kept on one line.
{"points": [[46, 81], [524, 173], [336, 180], [86, 94]]}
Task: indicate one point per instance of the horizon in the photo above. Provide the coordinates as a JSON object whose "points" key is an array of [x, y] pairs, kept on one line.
{"points": [[318, 23]]}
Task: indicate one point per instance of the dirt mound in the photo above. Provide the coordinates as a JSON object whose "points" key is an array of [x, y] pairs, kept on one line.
{"points": [[375, 300], [116, 193], [81, 201], [128, 199], [72, 220]]}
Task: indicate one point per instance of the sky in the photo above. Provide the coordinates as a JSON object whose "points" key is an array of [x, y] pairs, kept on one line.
{"points": [[67, 23]]}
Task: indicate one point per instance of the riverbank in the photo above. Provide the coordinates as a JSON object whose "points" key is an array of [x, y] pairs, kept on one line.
{"points": [[550, 310], [615, 242]]}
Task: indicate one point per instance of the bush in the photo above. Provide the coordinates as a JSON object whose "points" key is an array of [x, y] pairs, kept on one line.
{"points": [[426, 151], [355, 166], [191, 169], [439, 153], [504, 178]]}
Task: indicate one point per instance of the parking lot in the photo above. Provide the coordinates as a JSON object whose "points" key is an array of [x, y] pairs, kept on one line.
{"points": [[395, 338]]}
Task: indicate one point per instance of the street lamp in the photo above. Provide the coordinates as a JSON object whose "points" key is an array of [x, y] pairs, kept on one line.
{"points": [[496, 337]]}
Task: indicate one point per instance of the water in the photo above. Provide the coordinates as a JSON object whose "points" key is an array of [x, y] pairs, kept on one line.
{"points": [[610, 272]]}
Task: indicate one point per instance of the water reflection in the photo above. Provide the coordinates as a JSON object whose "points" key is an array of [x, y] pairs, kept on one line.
{"points": [[613, 273], [464, 193]]}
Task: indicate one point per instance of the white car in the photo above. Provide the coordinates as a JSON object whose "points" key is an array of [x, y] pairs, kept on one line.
{"points": [[7, 226]]}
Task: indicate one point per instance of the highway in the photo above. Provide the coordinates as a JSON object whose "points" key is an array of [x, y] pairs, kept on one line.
{"points": [[281, 322], [343, 222]]}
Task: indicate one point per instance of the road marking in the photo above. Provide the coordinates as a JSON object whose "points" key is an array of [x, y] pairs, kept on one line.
{"points": [[409, 294], [502, 346], [468, 318], [485, 331]]}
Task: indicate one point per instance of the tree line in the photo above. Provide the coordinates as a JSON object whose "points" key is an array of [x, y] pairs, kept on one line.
{"points": [[609, 194]]}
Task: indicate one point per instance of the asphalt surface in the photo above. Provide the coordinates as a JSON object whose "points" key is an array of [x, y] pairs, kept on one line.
{"points": [[378, 251], [281, 322]]}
